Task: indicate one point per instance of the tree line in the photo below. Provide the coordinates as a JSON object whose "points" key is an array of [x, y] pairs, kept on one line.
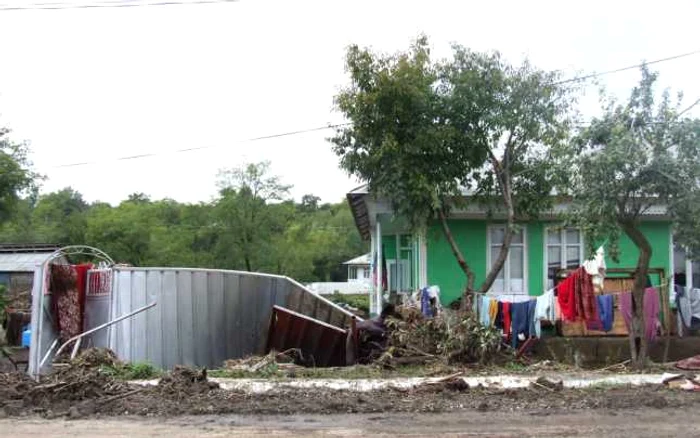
{"points": [[251, 225]]}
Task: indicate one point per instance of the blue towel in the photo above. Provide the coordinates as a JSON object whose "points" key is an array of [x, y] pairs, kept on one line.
{"points": [[484, 317], [521, 315], [605, 311]]}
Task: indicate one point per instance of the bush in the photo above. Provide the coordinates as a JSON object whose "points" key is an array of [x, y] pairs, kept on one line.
{"points": [[358, 301]]}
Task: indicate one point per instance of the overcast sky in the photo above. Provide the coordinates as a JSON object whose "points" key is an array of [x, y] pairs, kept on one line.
{"points": [[91, 85]]}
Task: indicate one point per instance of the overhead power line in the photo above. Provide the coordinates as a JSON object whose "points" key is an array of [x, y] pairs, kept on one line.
{"points": [[630, 67], [197, 148], [104, 4]]}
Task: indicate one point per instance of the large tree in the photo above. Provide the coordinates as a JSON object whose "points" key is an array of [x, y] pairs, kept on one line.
{"points": [[638, 155], [244, 214], [422, 132], [16, 176]]}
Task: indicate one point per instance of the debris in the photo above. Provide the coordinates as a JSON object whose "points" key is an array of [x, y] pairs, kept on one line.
{"points": [[690, 364], [186, 381], [622, 365], [288, 359], [547, 384], [451, 337]]}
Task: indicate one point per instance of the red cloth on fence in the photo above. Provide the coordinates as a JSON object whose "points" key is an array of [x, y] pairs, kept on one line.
{"points": [[586, 305], [81, 286], [506, 319], [68, 287], [576, 298], [566, 296]]}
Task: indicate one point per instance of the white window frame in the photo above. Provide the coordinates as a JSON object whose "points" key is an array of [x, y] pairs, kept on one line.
{"points": [[562, 245], [404, 270], [506, 264]]}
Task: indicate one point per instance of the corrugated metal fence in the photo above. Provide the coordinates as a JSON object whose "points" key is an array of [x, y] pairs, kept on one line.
{"points": [[202, 318]]}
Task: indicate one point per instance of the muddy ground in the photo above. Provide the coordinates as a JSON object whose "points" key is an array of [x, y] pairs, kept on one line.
{"points": [[85, 390], [642, 422], [189, 393]]}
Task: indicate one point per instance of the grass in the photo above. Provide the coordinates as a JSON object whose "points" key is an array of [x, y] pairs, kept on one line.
{"points": [[132, 371], [358, 301]]}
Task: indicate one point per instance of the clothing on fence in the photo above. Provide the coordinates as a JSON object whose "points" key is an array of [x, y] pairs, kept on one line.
{"points": [[544, 309], [506, 318], [498, 323], [688, 303], [605, 310], [650, 309], [566, 296], [493, 312], [520, 321]]}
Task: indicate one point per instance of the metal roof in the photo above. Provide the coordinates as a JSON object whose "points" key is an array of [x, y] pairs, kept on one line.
{"points": [[364, 259], [22, 262]]}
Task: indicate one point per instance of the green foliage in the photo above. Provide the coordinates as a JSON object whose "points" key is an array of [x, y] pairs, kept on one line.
{"points": [[424, 131], [131, 371], [3, 299], [16, 176], [638, 155], [358, 301], [250, 225]]}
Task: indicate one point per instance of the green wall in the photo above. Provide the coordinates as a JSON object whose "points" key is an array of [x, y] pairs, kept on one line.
{"points": [[471, 238]]}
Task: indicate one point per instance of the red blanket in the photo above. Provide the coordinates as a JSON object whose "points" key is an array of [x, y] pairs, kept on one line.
{"points": [[577, 299]]}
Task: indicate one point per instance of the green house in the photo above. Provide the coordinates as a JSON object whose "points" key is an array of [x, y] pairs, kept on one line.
{"points": [[541, 248]]}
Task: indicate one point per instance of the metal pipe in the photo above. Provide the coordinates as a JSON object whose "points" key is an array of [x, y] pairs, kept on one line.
{"points": [[100, 327], [46, 356]]}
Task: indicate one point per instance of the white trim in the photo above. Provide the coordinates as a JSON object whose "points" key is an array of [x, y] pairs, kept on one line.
{"points": [[423, 248], [563, 245], [672, 259], [506, 264], [378, 285]]}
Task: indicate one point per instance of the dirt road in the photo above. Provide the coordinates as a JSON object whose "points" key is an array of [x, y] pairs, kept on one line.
{"points": [[628, 423]]}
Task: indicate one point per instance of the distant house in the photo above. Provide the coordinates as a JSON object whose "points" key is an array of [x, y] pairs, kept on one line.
{"points": [[359, 269], [359, 279]]}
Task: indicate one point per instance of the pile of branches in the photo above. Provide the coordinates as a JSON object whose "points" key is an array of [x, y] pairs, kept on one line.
{"points": [[452, 337]]}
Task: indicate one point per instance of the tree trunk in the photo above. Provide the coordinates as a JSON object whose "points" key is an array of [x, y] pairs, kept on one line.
{"points": [[638, 341], [460, 259], [504, 183]]}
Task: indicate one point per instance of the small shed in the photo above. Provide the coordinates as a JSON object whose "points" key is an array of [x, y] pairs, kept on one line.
{"points": [[17, 264]]}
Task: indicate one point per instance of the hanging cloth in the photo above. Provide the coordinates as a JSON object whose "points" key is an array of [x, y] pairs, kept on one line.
{"points": [[605, 310], [650, 309], [493, 312]]}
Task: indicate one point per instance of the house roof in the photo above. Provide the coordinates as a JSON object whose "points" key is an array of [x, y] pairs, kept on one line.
{"points": [[359, 198], [364, 259]]}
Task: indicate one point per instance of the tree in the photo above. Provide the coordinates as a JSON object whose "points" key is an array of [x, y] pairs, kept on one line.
{"points": [[422, 132], [243, 213], [637, 155], [16, 175], [60, 217]]}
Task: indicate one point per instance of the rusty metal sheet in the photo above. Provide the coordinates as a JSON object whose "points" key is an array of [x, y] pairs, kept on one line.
{"points": [[317, 339]]}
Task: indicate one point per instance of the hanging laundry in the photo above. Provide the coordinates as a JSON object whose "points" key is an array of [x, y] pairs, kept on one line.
{"points": [[498, 321], [688, 303], [484, 303], [577, 299], [425, 302], [650, 309], [506, 319], [566, 296], [493, 312], [544, 309], [596, 268], [605, 310], [521, 321]]}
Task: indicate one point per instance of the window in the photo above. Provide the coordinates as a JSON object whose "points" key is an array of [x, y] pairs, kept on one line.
{"points": [[365, 272], [564, 250], [353, 272], [511, 279]]}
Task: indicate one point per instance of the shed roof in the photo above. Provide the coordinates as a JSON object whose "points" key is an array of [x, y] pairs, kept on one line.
{"points": [[22, 262]]}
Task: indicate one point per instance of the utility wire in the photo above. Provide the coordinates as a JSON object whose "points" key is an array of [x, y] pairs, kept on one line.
{"points": [[689, 108], [197, 148], [106, 4], [630, 67]]}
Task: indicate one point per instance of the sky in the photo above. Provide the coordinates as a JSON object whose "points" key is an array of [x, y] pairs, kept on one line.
{"points": [[93, 85]]}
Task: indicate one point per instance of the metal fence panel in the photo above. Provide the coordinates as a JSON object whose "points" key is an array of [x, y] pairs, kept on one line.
{"points": [[202, 317]]}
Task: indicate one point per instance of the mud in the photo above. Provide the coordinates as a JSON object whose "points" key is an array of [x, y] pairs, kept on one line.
{"points": [[83, 389]]}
